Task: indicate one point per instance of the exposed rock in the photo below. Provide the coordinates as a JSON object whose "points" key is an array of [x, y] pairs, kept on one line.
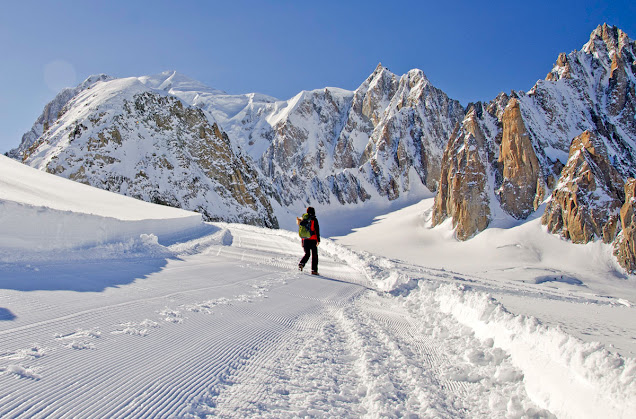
{"points": [[586, 202], [561, 69], [527, 136], [462, 192], [153, 147], [625, 245], [521, 189]]}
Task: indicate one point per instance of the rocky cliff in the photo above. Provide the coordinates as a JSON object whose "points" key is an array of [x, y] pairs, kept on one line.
{"points": [[465, 198], [528, 140], [625, 244], [586, 202]]}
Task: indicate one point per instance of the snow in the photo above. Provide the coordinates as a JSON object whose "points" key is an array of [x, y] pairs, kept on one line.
{"points": [[531, 271], [43, 212], [164, 316]]}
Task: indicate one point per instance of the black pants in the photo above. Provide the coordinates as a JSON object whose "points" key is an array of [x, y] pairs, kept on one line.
{"points": [[310, 246]]}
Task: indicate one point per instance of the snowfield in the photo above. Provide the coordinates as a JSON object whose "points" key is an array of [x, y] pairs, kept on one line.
{"points": [[111, 307], [48, 213]]}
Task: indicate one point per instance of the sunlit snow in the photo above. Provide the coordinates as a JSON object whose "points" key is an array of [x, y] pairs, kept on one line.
{"points": [[115, 307]]}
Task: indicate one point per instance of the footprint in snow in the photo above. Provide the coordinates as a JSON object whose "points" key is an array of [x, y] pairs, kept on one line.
{"points": [[136, 329], [172, 316], [79, 339], [20, 372]]}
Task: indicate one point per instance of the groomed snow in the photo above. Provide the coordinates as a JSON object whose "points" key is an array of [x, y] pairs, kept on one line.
{"points": [[215, 319]]}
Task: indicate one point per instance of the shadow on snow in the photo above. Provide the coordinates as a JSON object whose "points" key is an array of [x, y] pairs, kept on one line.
{"points": [[81, 276], [6, 314], [91, 275]]}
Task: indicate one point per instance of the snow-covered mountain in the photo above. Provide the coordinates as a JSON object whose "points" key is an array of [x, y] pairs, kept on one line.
{"points": [[130, 136], [252, 158], [332, 145], [570, 140], [157, 138]]}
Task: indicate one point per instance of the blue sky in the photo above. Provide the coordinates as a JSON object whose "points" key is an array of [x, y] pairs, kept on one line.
{"points": [[471, 50]]}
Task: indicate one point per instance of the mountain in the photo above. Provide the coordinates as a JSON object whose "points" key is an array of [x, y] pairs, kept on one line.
{"points": [[569, 142], [125, 136], [169, 139], [561, 151], [336, 146]]}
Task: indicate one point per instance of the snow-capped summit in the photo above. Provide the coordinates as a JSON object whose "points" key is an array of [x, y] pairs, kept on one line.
{"points": [[125, 136], [171, 80], [51, 113]]}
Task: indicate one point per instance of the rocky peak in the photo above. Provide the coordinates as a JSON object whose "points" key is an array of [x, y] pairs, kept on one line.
{"points": [[625, 246], [611, 44], [522, 188], [585, 203], [412, 133], [561, 69], [377, 94], [612, 37], [463, 189]]}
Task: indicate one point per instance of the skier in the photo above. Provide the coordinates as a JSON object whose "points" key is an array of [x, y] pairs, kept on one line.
{"points": [[311, 244]]}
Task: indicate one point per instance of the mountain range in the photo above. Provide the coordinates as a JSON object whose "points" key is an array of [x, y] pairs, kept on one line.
{"points": [[565, 150]]}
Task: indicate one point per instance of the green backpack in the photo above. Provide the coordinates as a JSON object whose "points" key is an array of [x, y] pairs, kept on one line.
{"points": [[304, 227]]}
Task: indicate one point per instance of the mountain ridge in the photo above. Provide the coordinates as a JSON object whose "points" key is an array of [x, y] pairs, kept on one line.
{"points": [[395, 134]]}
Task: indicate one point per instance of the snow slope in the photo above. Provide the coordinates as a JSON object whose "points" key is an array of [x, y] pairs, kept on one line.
{"points": [[579, 288], [40, 211], [214, 319]]}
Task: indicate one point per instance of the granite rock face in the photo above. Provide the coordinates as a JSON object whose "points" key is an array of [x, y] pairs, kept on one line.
{"points": [[463, 189], [625, 245], [522, 188], [528, 138], [587, 200]]}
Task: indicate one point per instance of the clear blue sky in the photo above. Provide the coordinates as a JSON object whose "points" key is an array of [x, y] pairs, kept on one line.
{"points": [[470, 49]]}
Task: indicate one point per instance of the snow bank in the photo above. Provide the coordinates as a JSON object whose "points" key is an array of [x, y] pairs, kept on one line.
{"points": [[40, 213], [31, 228], [563, 374]]}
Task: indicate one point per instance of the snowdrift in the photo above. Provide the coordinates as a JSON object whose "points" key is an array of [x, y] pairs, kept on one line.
{"points": [[40, 212], [569, 377], [563, 374]]}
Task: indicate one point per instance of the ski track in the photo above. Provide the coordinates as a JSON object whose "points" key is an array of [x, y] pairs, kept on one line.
{"points": [[266, 341]]}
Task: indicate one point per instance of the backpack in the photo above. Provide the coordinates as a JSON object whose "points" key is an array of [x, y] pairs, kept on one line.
{"points": [[304, 227]]}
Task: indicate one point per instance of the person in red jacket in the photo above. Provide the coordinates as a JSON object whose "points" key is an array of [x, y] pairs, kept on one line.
{"points": [[311, 244]]}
